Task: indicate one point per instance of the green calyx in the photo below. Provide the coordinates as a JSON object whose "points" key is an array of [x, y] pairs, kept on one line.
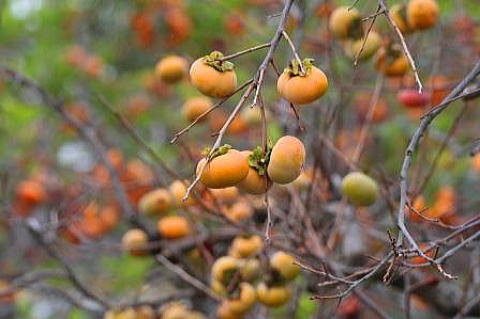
{"points": [[214, 60], [294, 68], [259, 160], [217, 152]]}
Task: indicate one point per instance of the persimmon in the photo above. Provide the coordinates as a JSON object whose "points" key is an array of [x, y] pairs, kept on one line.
{"points": [[31, 192], [224, 312], [285, 265], [417, 260], [145, 312], [171, 69], [238, 126], [218, 287], [286, 160], [225, 195], [349, 307], [246, 299], [223, 269], [422, 14], [398, 12], [173, 227], [178, 189], [411, 98], [302, 87], [235, 23], [420, 206], [94, 66], [156, 202], [174, 310], [345, 22], [239, 211], [179, 25], [109, 216], [137, 105], [252, 116], [359, 189], [392, 61], [91, 224], [128, 313], [475, 162], [135, 241], [213, 77], [217, 119], [226, 168], [246, 246], [362, 103], [249, 269], [8, 297], [256, 182], [194, 107], [439, 88], [273, 296], [76, 55], [372, 44]]}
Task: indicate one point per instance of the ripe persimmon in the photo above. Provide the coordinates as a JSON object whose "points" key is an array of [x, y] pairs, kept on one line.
{"points": [[359, 189], [392, 61], [422, 14], [302, 87], [398, 12], [286, 160], [246, 299], [226, 168], [246, 246], [273, 296], [256, 182], [225, 195], [362, 103], [156, 202], [30, 192], [285, 265], [372, 44], [239, 211], [411, 98], [173, 227], [135, 241], [345, 22], [195, 106], [178, 189], [224, 268], [213, 77], [171, 69]]}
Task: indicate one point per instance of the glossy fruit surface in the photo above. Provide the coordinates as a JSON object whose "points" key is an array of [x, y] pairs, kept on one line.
{"points": [[286, 160], [359, 189]]}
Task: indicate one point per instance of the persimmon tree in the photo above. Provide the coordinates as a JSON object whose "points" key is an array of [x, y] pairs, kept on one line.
{"points": [[239, 159]]}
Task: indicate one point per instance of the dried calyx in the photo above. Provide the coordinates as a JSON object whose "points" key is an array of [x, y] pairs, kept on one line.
{"points": [[258, 160], [214, 60], [294, 68]]}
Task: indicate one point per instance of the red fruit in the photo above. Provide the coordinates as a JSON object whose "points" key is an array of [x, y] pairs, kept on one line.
{"points": [[411, 98]]}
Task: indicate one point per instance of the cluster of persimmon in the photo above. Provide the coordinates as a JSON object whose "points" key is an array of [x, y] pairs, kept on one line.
{"points": [[242, 278], [89, 63], [171, 310], [346, 24]]}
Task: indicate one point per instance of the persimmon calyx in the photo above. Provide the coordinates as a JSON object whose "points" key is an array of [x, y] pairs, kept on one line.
{"points": [[213, 60], [294, 68], [217, 152], [259, 160]]}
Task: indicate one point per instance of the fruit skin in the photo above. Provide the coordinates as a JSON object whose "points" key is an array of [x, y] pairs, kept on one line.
{"points": [[174, 310], [212, 82], [31, 192], [274, 296], [225, 195], [135, 241], [243, 247], [224, 312], [171, 69], [173, 227], [396, 65], [303, 89], [239, 211], [194, 107], [411, 98], [224, 266], [283, 263], [250, 269], [372, 44], [286, 160], [398, 13], [359, 189], [422, 14], [342, 20], [254, 183], [156, 202], [245, 301], [178, 189], [224, 170]]}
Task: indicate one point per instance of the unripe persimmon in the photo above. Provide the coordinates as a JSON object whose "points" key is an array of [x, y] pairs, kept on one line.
{"points": [[302, 87], [392, 61], [286, 160], [285, 265], [156, 202], [212, 77], [245, 301], [246, 246], [171, 69], [422, 14], [173, 227], [196, 106], [372, 44], [223, 269], [345, 22], [398, 12], [227, 169], [359, 189], [256, 182], [273, 296], [135, 241]]}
